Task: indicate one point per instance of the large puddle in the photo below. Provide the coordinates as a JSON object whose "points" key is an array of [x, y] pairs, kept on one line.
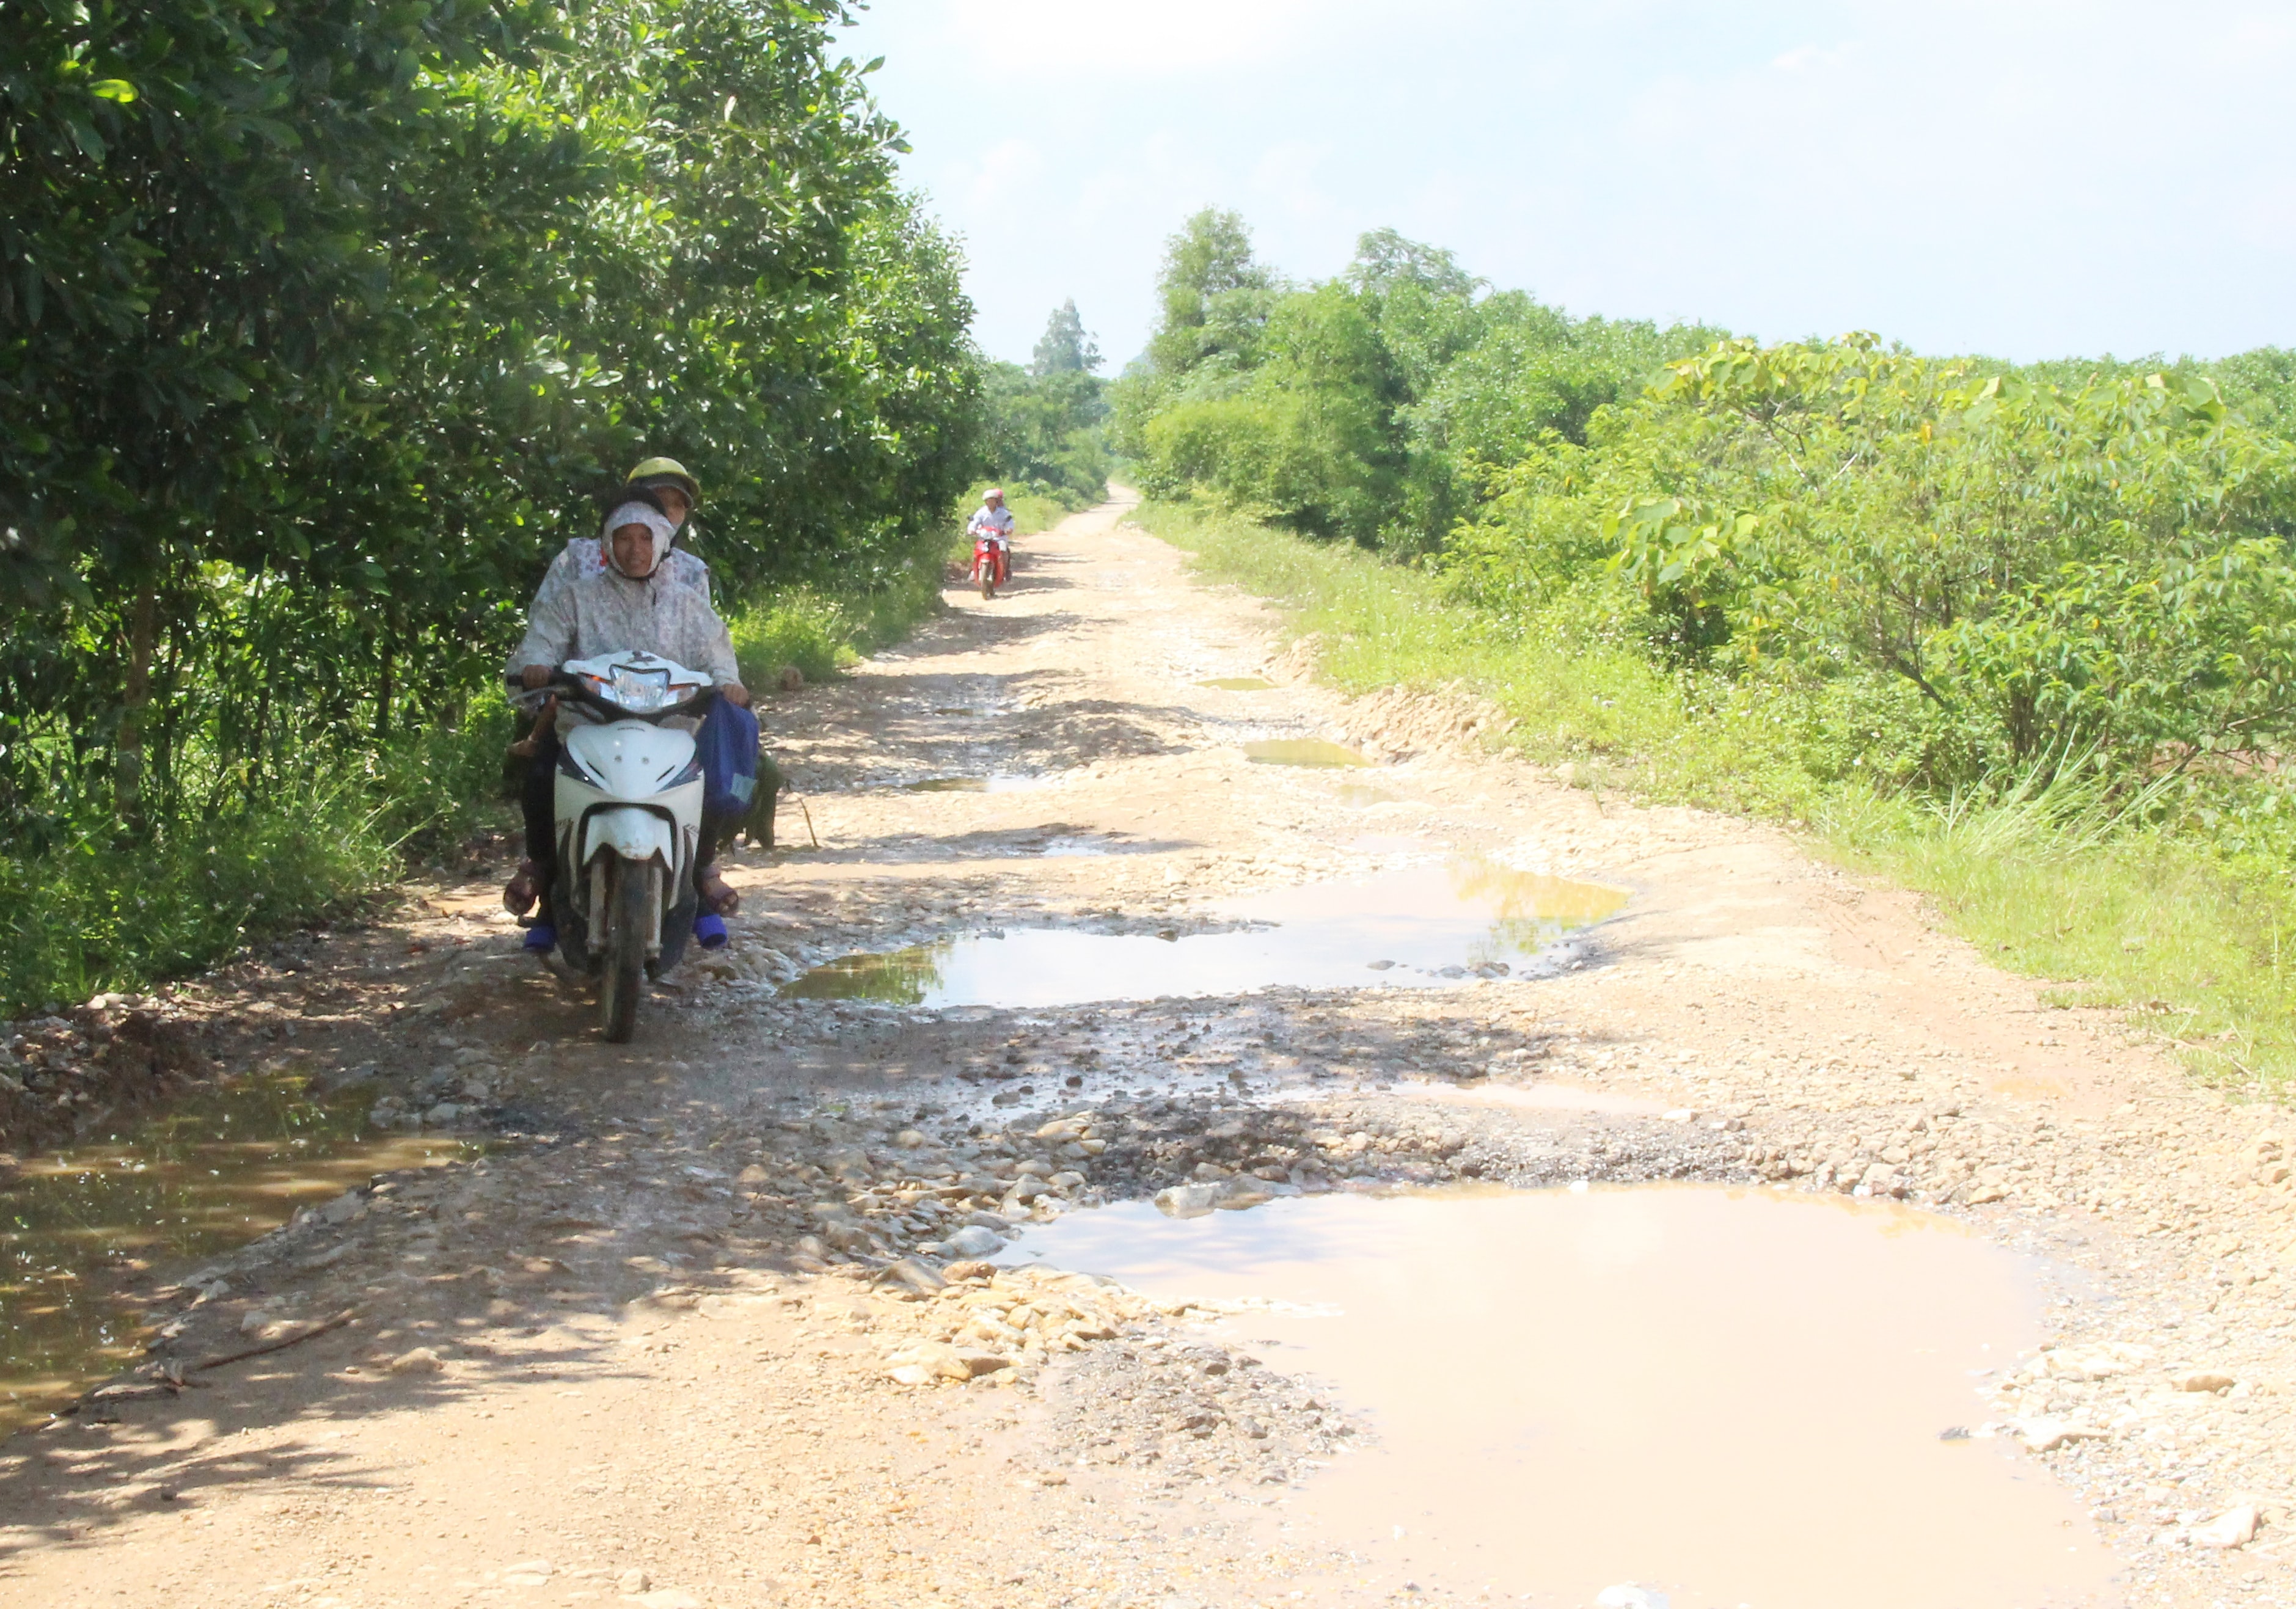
{"points": [[1713, 1396], [1423, 925], [85, 1231]]}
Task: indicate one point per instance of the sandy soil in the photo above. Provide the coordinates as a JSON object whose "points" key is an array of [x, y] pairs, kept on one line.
{"points": [[694, 1332]]}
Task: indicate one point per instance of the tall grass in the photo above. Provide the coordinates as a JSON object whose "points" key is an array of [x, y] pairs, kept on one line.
{"points": [[2115, 895], [109, 910]]}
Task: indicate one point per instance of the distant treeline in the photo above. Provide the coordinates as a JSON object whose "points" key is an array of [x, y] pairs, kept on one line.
{"points": [[1930, 572]]}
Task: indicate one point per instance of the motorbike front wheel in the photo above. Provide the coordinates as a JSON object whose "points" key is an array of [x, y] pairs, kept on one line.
{"points": [[987, 581], [632, 898]]}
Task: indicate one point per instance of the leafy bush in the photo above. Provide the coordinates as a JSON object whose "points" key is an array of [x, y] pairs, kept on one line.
{"points": [[2031, 570]]}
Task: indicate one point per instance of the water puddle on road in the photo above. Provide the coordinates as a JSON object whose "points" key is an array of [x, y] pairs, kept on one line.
{"points": [[1421, 927], [994, 784], [84, 1230], [1239, 685], [1720, 1396], [1301, 751]]}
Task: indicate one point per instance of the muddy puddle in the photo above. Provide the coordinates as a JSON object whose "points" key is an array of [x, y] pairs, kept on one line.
{"points": [[1421, 927], [992, 784], [1696, 1396], [1238, 684], [1301, 751], [88, 1235]]}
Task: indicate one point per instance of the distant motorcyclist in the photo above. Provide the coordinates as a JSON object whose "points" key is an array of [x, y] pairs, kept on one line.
{"points": [[992, 516], [994, 520], [633, 602]]}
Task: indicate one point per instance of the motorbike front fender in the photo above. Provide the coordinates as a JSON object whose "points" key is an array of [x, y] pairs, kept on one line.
{"points": [[634, 835]]}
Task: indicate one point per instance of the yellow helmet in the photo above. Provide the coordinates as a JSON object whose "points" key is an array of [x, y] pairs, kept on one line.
{"points": [[665, 472]]}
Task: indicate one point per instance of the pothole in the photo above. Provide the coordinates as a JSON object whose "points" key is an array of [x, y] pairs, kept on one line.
{"points": [[1421, 926], [86, 1234], [1301, 751], [1705, 1395]]}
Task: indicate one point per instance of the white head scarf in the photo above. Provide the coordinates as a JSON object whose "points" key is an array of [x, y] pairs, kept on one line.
{"points": [[653, 519]]}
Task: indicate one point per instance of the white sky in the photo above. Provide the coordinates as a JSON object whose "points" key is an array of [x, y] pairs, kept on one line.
{"points": [[2027, 178]]}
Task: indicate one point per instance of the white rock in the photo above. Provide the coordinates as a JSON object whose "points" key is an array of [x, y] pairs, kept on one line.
{"points": [[422, 1360], [925, 1361], [1211, 1195], [2098, 1363], [974, 1241], [2234, 1528], [2047, 1435], [1627, 1596], [2204, 1379]]}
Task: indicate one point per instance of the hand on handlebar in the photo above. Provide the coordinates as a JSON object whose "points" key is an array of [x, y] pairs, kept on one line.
{"points": [[534, 676]]}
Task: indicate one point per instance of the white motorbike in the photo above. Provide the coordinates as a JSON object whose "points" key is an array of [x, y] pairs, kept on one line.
{"points": [[628, 820]]}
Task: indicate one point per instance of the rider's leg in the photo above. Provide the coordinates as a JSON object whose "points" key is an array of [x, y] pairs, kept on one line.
{"points": [[537, 797]]}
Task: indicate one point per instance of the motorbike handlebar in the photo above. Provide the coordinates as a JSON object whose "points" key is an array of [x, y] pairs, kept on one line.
{"points": [[565, 684]]}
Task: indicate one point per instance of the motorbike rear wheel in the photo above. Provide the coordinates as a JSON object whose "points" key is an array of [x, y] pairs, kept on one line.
{"points": [[632, 895]]}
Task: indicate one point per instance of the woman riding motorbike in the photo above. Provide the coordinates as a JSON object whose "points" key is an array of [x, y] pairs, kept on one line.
{"points": [[634, 601]]}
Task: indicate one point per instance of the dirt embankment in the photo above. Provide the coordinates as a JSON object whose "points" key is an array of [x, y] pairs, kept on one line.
{"points": [[711, 1322]]}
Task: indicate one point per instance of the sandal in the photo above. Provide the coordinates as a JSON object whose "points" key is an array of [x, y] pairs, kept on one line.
{"points": [[718, 898], [522, 890]]}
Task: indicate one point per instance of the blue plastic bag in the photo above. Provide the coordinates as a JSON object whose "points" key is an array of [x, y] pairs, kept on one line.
{"points": [[728, 746]]}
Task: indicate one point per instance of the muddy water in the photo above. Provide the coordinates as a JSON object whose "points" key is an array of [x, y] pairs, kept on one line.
{"points": [[1729, 1397], [1423, 925], [991, 784], [87, 1235], [1301, 751]]}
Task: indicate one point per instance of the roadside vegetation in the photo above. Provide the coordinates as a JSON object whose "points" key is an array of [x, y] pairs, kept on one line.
{"points": [[2023, 638], [320, 331]]}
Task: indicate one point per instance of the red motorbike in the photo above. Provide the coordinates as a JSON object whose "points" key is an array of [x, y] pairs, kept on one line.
{"points": [[992, 560]]}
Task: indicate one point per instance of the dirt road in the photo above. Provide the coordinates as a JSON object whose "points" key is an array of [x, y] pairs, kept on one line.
{"points": [[707, 1324]]}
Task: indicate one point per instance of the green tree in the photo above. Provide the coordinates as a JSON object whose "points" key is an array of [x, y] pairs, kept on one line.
{"points": [[1065, 346], [320, 327]]}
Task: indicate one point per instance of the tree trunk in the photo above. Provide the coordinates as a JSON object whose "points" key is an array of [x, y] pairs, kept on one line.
{"points": [[382, 695], [142, 635]]}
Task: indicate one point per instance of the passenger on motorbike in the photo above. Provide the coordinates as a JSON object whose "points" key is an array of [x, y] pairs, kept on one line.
{"points": [[666, 481], [632, 603]]}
